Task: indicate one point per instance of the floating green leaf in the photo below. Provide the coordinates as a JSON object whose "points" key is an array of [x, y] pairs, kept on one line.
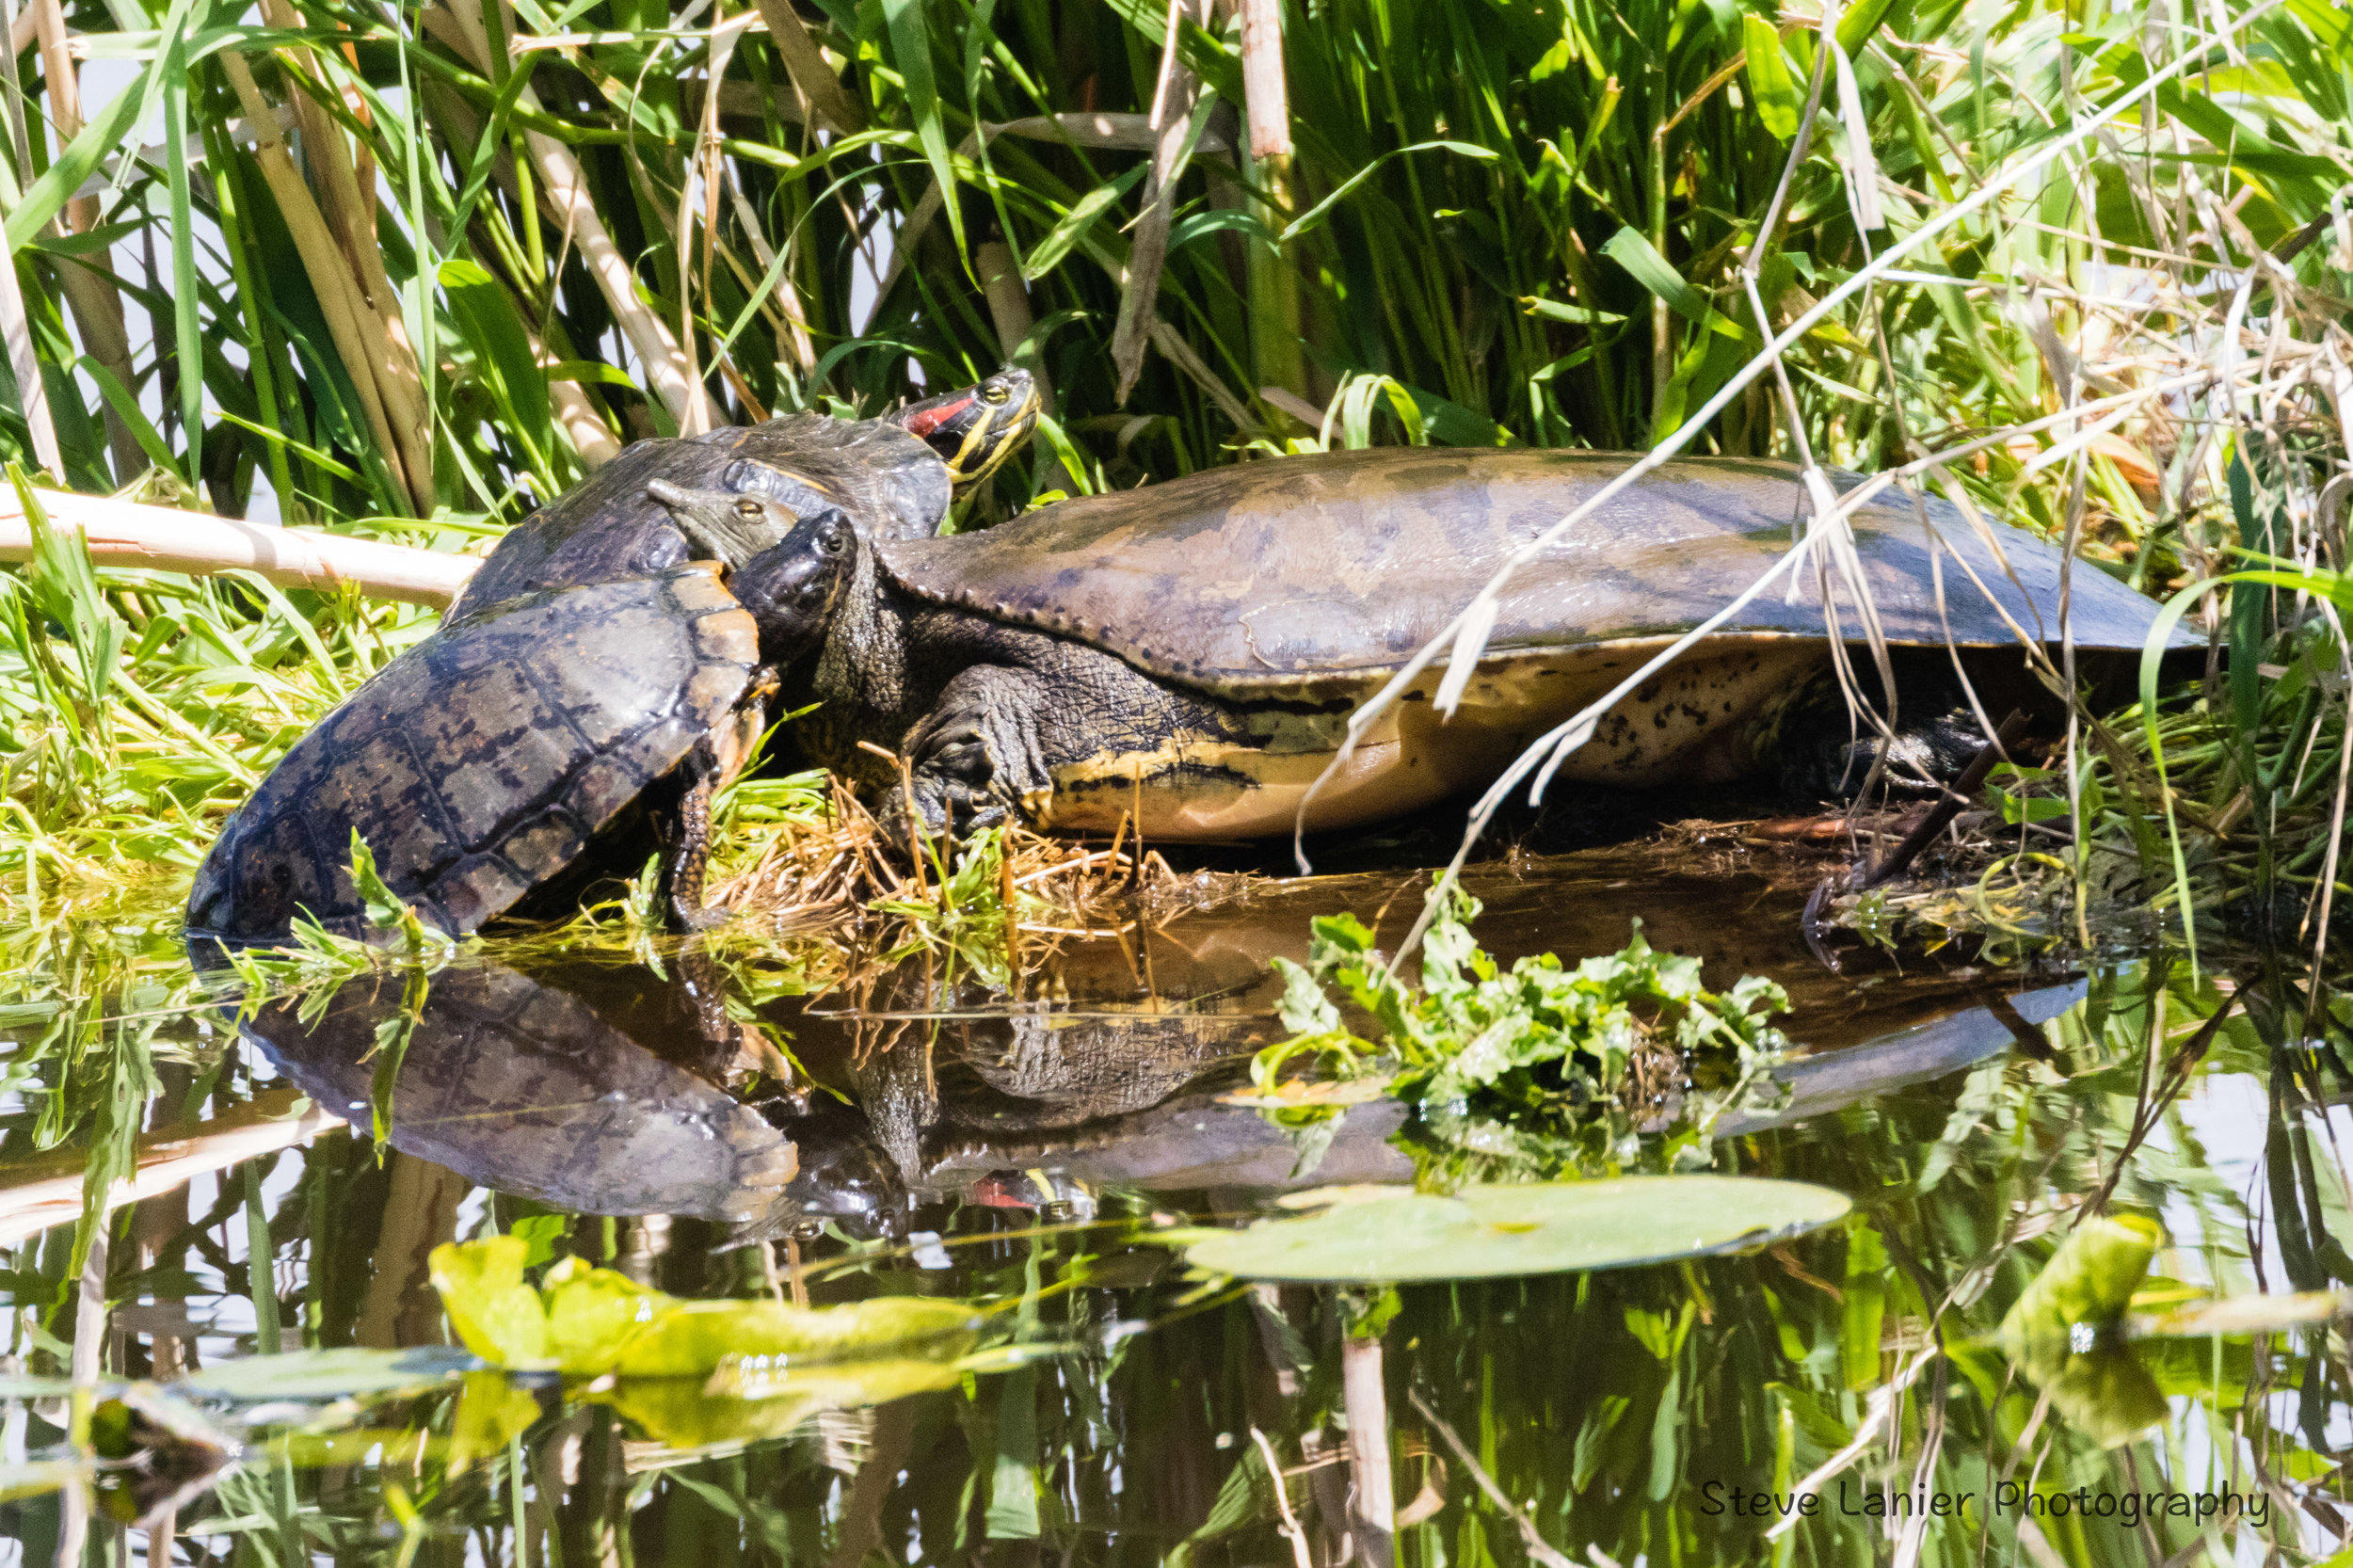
{"points": [[590, 1322], [685, 1415], [1547, 1227], [497, 1315], [331, 1374], [2088, 1283]]}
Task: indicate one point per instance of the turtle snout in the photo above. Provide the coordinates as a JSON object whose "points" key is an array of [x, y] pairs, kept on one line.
{"points": [[791, 594]]}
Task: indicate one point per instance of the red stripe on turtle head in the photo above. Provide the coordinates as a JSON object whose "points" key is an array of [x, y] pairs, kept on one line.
{"points": [[925, 422]]}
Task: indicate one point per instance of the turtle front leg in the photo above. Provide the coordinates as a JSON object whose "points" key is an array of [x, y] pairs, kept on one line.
{"points": [[680, 889], [715, 759], [974, 757]]}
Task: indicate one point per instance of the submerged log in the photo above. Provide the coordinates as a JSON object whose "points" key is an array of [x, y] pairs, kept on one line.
{"points": [[125, 534]]}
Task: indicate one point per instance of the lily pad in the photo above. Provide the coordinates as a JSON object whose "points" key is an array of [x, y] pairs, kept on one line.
{"points": [[1488, 1232]]}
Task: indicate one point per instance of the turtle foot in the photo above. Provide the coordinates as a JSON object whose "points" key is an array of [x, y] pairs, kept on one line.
{"points": [[708, 917]]}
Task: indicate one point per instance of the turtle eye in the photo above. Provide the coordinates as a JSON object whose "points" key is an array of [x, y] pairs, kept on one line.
{"points": [[993, 392], [747, 508]]}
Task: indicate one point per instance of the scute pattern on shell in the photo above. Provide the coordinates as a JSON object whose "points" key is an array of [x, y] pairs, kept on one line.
{"points": [[892, 484], [1293, 571], [602, 529], [480, 762], [535, 1090]]}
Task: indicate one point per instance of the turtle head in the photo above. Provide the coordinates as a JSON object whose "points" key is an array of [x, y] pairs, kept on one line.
{"points": [[788, 569], [725, 525], [793, 588], [975, 430]]}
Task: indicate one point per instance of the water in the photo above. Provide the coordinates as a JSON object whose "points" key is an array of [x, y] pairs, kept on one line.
{"points": [[727, 1130]]}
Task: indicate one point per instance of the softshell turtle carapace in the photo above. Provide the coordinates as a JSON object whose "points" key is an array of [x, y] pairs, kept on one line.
{"points": [[1190, 652]]}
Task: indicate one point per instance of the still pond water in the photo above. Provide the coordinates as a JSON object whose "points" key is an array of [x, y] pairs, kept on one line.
{"points": [[732, 1132]]}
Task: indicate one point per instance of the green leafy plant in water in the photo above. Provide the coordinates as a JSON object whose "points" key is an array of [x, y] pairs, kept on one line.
{"points": [[316, 961], [1492, 1055]]}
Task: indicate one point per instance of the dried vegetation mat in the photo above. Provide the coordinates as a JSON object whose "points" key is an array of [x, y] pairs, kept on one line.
{"points": [[825, 865]]}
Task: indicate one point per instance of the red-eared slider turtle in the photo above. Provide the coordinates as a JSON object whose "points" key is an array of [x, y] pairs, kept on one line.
{"points": [[1194, 649], [893, 477], [487, 760]]}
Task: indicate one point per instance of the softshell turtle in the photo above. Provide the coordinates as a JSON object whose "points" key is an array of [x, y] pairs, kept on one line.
{"points": [[894, 476], [1190, 652]]}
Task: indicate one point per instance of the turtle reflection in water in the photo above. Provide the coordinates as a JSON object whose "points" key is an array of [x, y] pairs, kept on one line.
{"points": [[1192, 650], [615, 1091], [598, 1090], [593, 686]]}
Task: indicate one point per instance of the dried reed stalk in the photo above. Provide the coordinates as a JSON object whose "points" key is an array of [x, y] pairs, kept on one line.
{"points": [[1139, 292], [347, 208], [87, 286], [122, 534], [322, 261], [564, 192], [50, 1193], [821, 92]]}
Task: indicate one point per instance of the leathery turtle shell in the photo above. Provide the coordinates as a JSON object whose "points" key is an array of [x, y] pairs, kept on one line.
{"points": [[891, 485], [479, 763], [1313, 576]]}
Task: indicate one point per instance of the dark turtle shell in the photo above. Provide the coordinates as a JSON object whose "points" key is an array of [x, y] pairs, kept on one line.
{"points": [[602, 529], [479, 763], [1305, 570], [891, 485], [543, 1086]]}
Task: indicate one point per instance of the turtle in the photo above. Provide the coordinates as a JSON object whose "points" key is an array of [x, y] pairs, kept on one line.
{"points": [[482, 763], [1185, 656], [894, 477], [529, 739]]}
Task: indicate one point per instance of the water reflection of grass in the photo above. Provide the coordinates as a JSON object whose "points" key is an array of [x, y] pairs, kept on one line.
{"points": [[1612, 1410]]}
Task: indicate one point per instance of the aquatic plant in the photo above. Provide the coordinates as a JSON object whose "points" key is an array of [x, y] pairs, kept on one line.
{"points": [[588, 1322], [1523, 1066]]}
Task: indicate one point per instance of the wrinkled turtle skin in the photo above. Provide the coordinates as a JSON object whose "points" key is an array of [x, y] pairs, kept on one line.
{"points": [[1193, 650]]}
